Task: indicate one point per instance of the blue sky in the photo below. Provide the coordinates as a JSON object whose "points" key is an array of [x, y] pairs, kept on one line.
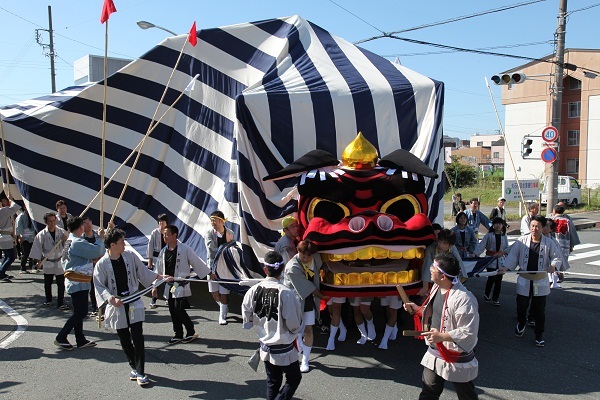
{"points": [[25, 71]]}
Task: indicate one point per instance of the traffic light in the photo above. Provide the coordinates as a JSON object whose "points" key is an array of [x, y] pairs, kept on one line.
{"points": [[509, 79], [526, 147]]}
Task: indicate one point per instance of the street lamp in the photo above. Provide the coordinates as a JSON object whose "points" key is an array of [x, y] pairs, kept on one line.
{"points": [[148, 25]]}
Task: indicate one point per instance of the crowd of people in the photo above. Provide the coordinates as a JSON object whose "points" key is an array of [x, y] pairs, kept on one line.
{"points": [[285, 307]]}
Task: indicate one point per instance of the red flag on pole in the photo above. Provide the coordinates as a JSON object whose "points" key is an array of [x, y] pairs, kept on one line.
{"points": [[107, 9], [192, 38]]}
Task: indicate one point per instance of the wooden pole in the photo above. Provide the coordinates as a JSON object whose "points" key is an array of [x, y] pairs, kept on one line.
{"points": [[104, 125], [150, 128], [506, 143]]}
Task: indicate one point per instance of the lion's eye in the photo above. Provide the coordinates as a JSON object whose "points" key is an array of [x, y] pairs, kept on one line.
{"points": [[331, 211], [404, 207]]}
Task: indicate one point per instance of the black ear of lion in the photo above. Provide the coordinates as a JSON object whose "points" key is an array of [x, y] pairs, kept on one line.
{"points": [[312, 160], [405, 160]]}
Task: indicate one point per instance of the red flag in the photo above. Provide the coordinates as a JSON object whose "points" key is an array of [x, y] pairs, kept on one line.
{"points": [[107, 9], [192, 38]]}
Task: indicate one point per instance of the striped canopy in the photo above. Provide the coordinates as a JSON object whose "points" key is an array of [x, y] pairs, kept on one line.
{"points": [[267, 93]]}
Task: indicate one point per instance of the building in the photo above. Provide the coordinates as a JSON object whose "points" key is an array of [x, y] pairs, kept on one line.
{"points": [[478, 140], [473, 156], [529, 111], [90, 68]]}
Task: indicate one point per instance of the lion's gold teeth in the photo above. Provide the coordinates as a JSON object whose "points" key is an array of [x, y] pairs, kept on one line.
{"points": [[377, 253], [371, 278]]}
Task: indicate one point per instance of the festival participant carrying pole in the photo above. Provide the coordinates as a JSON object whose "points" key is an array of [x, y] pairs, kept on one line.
{"points": [[193, 40], [107, 9], [506, 143]]}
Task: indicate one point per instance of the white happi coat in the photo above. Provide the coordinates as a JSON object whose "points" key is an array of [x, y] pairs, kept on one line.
{"points": [[7, 228], [185, 259], [550, 254], [488, 243], [462, 323], [154, 246], [106, 286], [277, 318], [42, 244], [295, 279]]}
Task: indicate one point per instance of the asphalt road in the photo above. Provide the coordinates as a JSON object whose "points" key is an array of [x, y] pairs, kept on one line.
{"points": [[214, 366]]}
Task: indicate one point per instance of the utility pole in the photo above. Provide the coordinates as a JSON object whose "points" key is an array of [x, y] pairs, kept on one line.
{"points": [[51, 32], [50, 47], [552, 170]]}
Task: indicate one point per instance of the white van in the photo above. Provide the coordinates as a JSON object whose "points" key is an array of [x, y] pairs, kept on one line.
{"points": [[569, 190]]}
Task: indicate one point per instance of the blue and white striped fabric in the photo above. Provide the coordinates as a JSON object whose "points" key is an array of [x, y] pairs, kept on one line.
{"points": [[267, 93]]}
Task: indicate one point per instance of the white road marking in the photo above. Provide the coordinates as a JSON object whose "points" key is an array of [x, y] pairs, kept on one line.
{"points": [[587, 254], [22, 325], [585, 246]]}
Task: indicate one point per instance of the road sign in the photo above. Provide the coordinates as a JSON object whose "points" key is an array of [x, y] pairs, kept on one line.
{"points": [[549, 155], [550, 134], [529, 187]]}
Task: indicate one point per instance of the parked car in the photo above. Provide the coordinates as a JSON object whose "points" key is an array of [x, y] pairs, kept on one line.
{"points": [[569, 190]]}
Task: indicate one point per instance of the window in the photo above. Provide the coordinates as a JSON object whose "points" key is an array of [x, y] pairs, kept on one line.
{"points": [[572, 166], [479, 144], [573, 138], [574, 183], [463, 158], [574, 84], [496, 154], [575, 109]]}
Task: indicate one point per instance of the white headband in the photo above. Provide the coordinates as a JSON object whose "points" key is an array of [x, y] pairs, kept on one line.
{"points": [[436, 265], [275, 265]]}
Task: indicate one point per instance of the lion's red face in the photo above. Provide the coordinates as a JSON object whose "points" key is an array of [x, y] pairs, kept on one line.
{"points": [[345, 211]]}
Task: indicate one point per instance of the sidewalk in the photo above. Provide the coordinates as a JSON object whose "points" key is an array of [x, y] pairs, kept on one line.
{"points": [[584, 220]]}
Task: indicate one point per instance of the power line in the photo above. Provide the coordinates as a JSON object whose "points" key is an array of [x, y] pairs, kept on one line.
{"points": [[478, 14], [508, 46], [351, 13]]}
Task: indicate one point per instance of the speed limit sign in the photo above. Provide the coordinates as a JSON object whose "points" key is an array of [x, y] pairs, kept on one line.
{"points": [[550, 134]]}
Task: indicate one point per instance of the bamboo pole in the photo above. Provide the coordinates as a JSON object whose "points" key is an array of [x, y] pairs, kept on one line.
{"points": [[506, 143], [150, 127], [104, 124]]}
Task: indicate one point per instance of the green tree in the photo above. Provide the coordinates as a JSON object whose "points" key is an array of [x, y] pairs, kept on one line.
{"points": [[461, 175]]}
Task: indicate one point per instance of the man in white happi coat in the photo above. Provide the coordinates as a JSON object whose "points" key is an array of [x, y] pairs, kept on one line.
{"points": [[44, 247], [155, 244], [450, 320], [175, 259], [540, 255], [285, 245], [7, 246], [214, 238], [118, 274], [302, 276], [275, 313], [62, 216]]}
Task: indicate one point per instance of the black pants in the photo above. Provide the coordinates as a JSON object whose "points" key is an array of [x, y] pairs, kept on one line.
{"points": [[493, 281], [293, 376], [433, 385], [60, 283], [180, 317], [132, 342], [80, 310], [93, 301], [538, 309], [26, 248]]}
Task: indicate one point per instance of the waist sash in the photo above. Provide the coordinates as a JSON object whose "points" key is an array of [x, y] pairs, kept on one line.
{"points": [[76, 277], [462, 358], [277, 348]]}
